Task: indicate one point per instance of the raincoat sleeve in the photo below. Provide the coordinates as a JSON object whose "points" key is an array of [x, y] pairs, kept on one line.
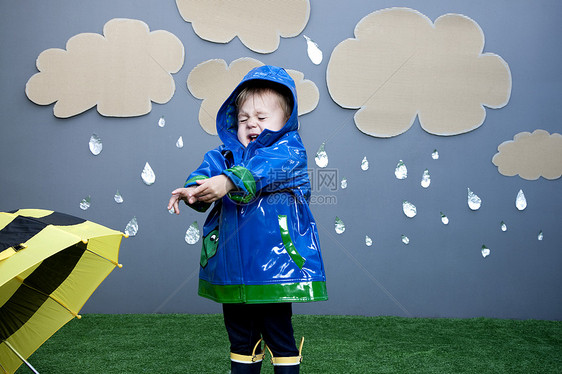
{"points": [[213, 164], [280, 166]]}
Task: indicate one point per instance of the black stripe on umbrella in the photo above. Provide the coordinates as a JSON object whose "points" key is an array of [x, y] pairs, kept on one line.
{"points": [[20, 230], [36, 289]]}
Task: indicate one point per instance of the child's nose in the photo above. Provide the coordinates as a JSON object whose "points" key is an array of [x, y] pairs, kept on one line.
{"points": [[252, 123]]}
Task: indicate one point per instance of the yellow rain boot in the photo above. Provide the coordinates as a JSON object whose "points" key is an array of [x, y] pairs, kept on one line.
{"points": [[287, 365], [242, 364]]}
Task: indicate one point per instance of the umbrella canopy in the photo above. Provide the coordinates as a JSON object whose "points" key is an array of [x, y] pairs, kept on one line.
{"points": [[50, 264]]}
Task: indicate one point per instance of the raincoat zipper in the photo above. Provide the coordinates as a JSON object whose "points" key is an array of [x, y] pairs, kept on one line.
{"points": [[238, 208]]}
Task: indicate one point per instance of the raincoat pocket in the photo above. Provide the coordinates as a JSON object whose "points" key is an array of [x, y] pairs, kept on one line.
{"points": [[210, 245], [210, 235], [288, 242]]}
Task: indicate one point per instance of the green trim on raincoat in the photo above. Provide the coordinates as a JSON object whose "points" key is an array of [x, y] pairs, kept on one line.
{"points": [[245, 182], [288, 242], [264, 293], [191, 181]]}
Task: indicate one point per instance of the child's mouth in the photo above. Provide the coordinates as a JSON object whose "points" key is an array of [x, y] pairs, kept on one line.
{"points": [[252, 137]]}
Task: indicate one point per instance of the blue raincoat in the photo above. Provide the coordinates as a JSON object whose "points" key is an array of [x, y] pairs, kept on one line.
{"points": [[260, 242]]}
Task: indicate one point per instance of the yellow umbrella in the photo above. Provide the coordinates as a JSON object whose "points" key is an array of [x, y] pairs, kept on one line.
{"points": [[50, 264]]}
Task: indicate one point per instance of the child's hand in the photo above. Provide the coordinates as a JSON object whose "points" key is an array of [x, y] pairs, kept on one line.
{"points": [[178, 194], [213, 189]]}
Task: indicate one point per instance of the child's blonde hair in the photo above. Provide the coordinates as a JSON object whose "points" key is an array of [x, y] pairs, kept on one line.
{"points": [[261, 87]]}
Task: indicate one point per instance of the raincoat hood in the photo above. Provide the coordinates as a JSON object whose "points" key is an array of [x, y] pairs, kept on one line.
{"points": [[227, 119]]}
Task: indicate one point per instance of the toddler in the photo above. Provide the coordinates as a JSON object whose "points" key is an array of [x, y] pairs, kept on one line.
{"points": [[260, 249]]}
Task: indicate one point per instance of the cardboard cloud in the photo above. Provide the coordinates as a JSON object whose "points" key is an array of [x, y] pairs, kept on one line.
{"points": [[213, 80], [531, 155], [400, 65], [121, 71], [257, 23]]}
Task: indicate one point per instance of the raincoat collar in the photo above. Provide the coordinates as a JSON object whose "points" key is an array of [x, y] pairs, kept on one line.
{"points": [[227, 120]]}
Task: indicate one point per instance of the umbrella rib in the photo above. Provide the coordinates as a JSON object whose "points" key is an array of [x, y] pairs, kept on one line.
{"points": [[50, 297], [105, 258], [85, 241]]}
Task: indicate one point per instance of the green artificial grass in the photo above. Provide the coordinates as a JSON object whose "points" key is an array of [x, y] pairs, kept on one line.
{"points": [[180, 343]]}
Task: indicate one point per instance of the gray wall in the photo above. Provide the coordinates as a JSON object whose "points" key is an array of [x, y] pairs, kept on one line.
{"points": [[46, 163]]}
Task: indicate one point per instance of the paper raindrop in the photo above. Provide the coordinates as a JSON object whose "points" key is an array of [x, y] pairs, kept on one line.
{"points": [[95, 144], [426, 179], [85, 203], [192, 234], [179, 143], [364, 164], [344, 183], [503, 226], [132, 227], [444, 219], [147, 175], [405, 239], [520, 201], [540, 236], [435, 154], [161, 122], [118, 198], [474, 202], [409, 209], [368, 241], [340, 226], [321, 157], [314, 52], [401, 172], [485, 251]]}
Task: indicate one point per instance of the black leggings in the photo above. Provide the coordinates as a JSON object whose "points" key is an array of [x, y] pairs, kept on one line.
{"points": [[247, 323]]}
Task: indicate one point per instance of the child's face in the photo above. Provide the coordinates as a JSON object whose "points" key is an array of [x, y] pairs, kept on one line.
{"points": [[257, 113]]}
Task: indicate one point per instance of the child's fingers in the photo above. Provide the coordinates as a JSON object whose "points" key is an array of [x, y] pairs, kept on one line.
{"points": [[173, 203], [199, 190], [172, 200], [179, 191], [206, 199], [208, 196]]}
